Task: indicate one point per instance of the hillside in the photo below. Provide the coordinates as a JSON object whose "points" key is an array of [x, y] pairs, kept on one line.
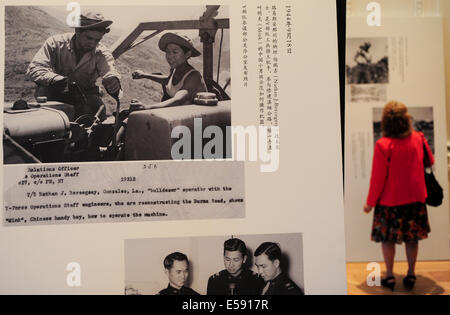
{"points": [[26, 29], [24, 34]]}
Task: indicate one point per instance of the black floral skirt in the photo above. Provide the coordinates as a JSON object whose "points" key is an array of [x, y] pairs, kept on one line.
{"points": [[399, 224]]}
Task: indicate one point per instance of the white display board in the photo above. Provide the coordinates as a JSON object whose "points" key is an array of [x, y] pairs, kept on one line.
{"points": [[408, 59], [302, 196]]}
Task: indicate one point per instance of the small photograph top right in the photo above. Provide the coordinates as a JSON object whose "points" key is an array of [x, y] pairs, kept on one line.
{"points": [[367, 61]]}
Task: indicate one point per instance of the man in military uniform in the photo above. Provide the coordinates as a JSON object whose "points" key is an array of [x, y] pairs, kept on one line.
{"points": [[67, 67], [236, 279], [176, 267], [267, 259]]}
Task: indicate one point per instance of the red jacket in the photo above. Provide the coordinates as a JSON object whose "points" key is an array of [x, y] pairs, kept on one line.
{"points": [[398, 171]]}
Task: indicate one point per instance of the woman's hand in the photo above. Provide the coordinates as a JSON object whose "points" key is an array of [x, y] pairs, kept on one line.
{"points": [[138, 74], [367, 208]]}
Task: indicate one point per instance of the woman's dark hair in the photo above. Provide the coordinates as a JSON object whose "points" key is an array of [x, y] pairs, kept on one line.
{"points": [[396, 121], [272, 251], [168, 261], [235, 244]]}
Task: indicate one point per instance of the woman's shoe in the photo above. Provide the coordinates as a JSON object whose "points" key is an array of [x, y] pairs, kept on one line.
{"points": [[409, 282], [388, 282]]}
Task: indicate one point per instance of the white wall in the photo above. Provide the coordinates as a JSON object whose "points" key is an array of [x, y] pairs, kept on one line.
{"points": [[411, 8], [397, 8], [445, 13], [401, 9]]}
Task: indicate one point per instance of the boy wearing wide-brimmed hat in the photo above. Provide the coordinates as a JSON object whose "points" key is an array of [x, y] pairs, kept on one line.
{"points": [[67, 66], [183, 82]]}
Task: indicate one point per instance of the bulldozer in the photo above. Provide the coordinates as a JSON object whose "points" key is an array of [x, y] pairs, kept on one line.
{"points": [[44, 131]]}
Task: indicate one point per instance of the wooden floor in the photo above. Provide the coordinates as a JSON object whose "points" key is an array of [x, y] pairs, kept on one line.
{"points": [[433, 278]]}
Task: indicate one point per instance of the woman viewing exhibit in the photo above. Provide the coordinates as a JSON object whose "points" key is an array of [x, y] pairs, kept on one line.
{"points": [[398, 191]]}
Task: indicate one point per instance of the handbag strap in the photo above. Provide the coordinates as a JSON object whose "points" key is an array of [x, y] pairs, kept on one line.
{"points": [[426, 158]]}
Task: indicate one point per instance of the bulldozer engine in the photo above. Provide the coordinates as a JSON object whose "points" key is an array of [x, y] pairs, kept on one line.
{"points": [[41, 130], [45, 132]]}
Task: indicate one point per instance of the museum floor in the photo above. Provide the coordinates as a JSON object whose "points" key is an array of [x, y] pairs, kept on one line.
{"points": [[433, 278]]}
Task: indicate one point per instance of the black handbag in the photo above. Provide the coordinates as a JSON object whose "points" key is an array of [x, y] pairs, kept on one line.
{"points": [[434, 190]]}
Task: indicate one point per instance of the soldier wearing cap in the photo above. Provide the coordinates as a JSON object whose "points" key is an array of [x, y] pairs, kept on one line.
{"points": [[236, 279], [67, 67], [267, 260], [176, 267]]}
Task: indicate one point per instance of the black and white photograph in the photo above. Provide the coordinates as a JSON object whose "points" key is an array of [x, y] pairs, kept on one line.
{"points": [[367, 69], [270, 264], [110, 83], [367, 61], [422, 121]]}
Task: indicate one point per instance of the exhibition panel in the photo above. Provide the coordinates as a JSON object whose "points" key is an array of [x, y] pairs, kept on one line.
{"points": [[402, 60], [184, 159]]}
